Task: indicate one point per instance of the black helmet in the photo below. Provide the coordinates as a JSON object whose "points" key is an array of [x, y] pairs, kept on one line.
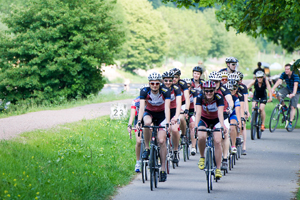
{"points": [[168, 74], [176, 71], [198, 69]]}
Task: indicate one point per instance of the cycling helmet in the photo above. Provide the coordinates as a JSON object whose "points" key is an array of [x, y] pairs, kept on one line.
{"points": [[209, 84], [228, 85], [224, 74], [154, 76], [143, 86], [176, 71], [259, 74], [231, 60], [241, 75], [233, 83], [234, 76], [168, 74], [215, 76], [187, 80], [198, 69]]}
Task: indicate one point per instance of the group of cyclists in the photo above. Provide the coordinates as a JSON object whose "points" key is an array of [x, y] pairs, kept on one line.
{"points": [[219, 102]]}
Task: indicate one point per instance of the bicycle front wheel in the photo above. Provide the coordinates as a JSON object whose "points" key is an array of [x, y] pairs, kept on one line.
{"points": [[294, 121], [253, 125], [208, 167], [152, 167], [258, 128], [274, 119]]}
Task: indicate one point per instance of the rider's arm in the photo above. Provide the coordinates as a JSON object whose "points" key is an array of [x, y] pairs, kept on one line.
{"points": [[198, 115], [269, 88], [278, 82], [228, 98], [295, 88], [178, 106], [187, 99], [132, 114], [142, 109], [195, 99], [250, 84], [221, 116], [167, 110]]}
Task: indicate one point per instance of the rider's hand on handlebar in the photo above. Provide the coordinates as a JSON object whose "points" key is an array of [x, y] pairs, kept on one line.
{"points": [[129, 128], [269, 100]]}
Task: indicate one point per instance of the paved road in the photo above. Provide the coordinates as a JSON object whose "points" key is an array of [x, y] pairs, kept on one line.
{"points": [[268, 171]]}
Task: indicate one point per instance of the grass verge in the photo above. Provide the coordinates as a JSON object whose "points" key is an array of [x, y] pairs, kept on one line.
{"points": [[26, 107], [83, 160]]}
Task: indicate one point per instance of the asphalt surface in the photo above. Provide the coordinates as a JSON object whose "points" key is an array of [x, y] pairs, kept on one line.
{"points": [[268, 171]]}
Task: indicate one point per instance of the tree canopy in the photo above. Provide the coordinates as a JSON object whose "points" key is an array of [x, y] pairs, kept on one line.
{"points": [[277, 20], [55, 48]]}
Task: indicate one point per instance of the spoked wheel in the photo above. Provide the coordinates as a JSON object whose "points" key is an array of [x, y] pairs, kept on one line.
{"points": [[253, 125], [143, 170], [156, 178], [234, 157], [184, 152], [258, 128], [294, 122], [274, 119], [188, 139], [208, 171], [168, 163]]}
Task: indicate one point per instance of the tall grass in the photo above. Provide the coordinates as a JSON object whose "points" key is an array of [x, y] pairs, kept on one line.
{"points": [[85, 160], [31, 106]]}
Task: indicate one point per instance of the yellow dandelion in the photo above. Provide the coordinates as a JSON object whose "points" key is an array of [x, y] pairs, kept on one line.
{"points": [[19, 195], [37, 193], [24, 173], [15, 184], [36, 198], [5, 191], [8, 195], [32, 157], [15, 179]]}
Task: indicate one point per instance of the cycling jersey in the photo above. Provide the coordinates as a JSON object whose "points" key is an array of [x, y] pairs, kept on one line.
{"points": [[175, 91], [135, 104], [242, 88], [236, 103], [290, 81], [210, 109], [183, 86], [193, 94], [155, 102], [260, 92], [199, 87], [224, 91], [239, 96]]}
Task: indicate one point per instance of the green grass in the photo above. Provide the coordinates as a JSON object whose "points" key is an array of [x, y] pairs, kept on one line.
{"points": [[83, 160], [27, 107]]}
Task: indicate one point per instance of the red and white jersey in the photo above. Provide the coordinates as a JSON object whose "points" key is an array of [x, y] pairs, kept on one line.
{"points": [[210, 109], [175, 91], [155, 102]]}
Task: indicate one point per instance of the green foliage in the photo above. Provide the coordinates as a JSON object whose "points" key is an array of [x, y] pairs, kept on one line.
{"points": [[190, 35], [77, 161], [277, 20], [146, 37], [57, 48]]}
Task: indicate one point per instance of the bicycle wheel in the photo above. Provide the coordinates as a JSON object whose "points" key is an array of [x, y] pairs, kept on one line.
{"points": [[274, 119], [258, 128], [253, 124], [143, 170], [184, 152], [208, 165], [188, 139], [152, 167], [295, 120]]}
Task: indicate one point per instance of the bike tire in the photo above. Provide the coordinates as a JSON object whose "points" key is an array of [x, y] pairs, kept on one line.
{"points": [[295, 120], [253, 125], [152, 168], [208, 167], [143, 170], [184, 152], [274, 120], [258, 128], [188, 138]]}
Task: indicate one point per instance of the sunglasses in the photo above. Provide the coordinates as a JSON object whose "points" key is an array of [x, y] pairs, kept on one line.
{"points": [[176, 76], [208, 91], [233, 64], [216, 81], [152, 83], [170, 81]]}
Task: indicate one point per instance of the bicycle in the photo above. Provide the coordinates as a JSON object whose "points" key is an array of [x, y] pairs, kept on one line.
{"points": [[187, 139], [256, 120], [210, 163], [154, 164], [275, 116]]}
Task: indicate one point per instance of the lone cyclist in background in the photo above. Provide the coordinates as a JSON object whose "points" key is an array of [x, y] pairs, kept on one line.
{"points": [[260, 86], [292, 90]]}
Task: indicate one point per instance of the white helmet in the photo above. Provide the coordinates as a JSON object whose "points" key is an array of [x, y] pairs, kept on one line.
{"points": [[231, 60], [154, 76], [228, 85], [234, 76], [187, 80], [259, 74], [215, 76], [224, 74], [143, 86]]}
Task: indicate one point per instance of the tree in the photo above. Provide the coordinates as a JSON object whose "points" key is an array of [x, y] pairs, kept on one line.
{"points": [[55, 48], [277, 20], [146, 37]]}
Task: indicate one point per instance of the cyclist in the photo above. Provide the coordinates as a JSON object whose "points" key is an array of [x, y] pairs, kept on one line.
{"points": [[260, 86], [292, 90], [185, 98], [210, 107], [231, 63], [193, 96], [196, 81], [175, 110], [157, 97], [224, 77], [228, 105], [235, 118], [242, 90]]}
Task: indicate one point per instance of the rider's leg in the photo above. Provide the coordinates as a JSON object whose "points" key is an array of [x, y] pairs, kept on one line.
{"points": [[182, 124], [233, 132], [292, 113], [262, 112], [137, 146], [218, 148], [294, 103], [192, 133], [163, 148], [175, 136], [147, 122], [202, 141]]}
